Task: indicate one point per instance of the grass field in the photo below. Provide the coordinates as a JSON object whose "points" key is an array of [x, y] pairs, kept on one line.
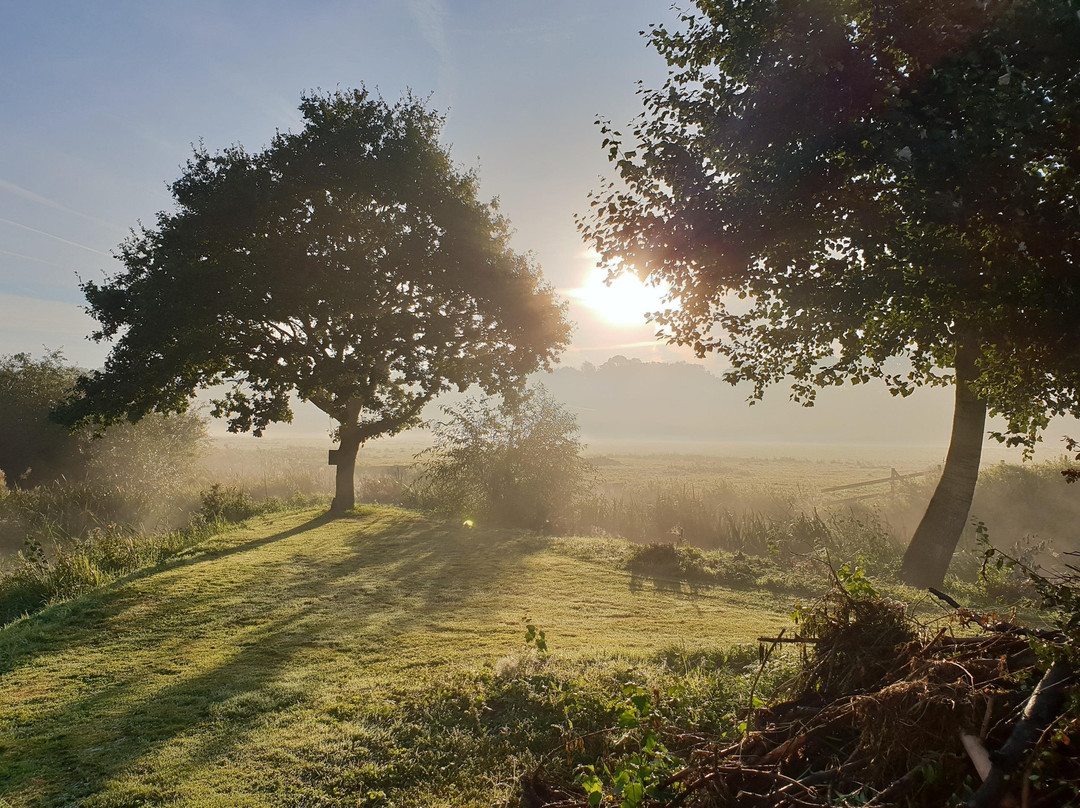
{"points": [[376, 659]]}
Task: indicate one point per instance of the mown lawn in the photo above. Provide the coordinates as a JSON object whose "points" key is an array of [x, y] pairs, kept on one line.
{"points": [[309, 661]]}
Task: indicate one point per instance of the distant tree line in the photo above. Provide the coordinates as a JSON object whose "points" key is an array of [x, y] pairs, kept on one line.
{"points": [[153, 454]]}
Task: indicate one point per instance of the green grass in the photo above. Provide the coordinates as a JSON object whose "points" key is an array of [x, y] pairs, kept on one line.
{"points": [[376, 659]]}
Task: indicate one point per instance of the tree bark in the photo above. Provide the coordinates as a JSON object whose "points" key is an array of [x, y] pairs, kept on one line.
{"points": [[931, 549], [349, 440], [345, 476]]}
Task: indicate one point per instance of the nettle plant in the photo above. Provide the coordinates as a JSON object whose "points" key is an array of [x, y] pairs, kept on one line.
{"points": [[645, 772]]}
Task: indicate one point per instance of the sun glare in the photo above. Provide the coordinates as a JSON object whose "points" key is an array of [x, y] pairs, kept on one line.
{"points": [[624, 302]]}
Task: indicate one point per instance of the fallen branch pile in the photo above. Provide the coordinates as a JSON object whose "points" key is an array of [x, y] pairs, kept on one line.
{"points": [[887, 718]]}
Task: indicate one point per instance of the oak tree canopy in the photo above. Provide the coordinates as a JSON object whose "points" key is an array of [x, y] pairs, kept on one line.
{"points": [[844, 190], [350, 264]]}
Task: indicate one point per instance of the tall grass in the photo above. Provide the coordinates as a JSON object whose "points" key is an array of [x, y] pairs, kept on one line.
{"points": [[721, 518], [75, 537]]}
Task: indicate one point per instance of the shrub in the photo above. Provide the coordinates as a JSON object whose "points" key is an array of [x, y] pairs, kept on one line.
{"points": [[516, 463], [226, 503]]}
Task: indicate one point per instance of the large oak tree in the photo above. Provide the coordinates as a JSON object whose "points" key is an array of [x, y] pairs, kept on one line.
{"points": [[841, 190], [350, 264]]}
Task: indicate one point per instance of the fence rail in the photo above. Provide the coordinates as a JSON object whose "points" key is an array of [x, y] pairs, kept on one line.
{"points": [[893, 479]]}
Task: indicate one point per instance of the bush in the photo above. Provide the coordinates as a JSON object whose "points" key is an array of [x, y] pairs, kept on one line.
{"points": [[156, 455], [226, 503], [518, 463]]}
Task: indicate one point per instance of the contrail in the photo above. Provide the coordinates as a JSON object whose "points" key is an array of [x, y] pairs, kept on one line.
{"points": [[32, 258], [18, 190], [56, 238]]}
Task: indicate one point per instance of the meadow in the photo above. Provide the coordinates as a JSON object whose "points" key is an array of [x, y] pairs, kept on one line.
{"points": [[263, 654], [377, 659]]}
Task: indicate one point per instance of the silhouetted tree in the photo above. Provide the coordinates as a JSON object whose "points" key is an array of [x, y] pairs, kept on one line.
{"points": [[350, 264], [151, 457], [827, 185], [33, 448]]}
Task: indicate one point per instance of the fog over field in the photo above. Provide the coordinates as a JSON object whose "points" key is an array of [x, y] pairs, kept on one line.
{"points": [[634, 405]]}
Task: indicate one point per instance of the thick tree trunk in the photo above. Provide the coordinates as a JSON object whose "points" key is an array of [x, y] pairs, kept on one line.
{"points": [[931, 549], [349, 440], [344, 479]]}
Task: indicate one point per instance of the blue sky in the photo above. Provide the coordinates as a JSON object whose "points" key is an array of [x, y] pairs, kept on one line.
{"points": [[103, 101]]}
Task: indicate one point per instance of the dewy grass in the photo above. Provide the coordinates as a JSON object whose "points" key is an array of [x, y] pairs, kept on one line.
{"points": [[376, 659]]}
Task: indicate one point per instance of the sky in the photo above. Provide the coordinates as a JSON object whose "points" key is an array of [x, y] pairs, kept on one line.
{"points": [[102, 103]]}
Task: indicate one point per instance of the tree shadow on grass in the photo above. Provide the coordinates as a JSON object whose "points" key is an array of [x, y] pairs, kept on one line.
{"points": [[101, 737], [155, 695]]}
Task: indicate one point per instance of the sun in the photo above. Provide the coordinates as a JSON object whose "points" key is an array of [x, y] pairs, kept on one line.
{"points": [[624, 302]]}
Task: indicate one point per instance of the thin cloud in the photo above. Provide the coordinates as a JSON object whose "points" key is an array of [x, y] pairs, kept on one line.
{"points": [[19, 191], [430, 16], [32, 258], [55, 238]]}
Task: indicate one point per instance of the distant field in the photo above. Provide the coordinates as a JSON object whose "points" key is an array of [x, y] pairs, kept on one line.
{"points": [[789, 471], [305, 661]]}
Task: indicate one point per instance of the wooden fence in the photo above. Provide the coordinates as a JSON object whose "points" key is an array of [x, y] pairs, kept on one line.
{"points": [[893, 480]]}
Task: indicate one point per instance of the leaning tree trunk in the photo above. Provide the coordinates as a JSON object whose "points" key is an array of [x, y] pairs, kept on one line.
{"points": [[931, 549]]}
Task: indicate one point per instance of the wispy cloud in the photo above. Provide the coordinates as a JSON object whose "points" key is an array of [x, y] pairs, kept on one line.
{"points": [[19, 191], [430, 17], [32, 258], [53, 237]]}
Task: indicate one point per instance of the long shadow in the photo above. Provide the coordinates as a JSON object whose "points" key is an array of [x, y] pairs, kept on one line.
{"points": [[61, 755], [224, 704], [660, 566], [215, 555], [102, 604]]}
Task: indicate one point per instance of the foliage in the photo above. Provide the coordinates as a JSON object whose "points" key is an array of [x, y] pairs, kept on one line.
{"points": [[350, 264], [33, 449], [643, 773], [536, 637], [825, 186], [1072, 474], [129, 474], [226, 503], [515, 463]]}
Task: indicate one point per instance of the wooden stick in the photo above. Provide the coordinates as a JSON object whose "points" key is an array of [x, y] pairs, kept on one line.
{"points": [[978, 754]]}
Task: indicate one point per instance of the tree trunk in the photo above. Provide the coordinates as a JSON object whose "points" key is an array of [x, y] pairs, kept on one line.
{"points": [[344, 482], [931, 549], [345, 459]]}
